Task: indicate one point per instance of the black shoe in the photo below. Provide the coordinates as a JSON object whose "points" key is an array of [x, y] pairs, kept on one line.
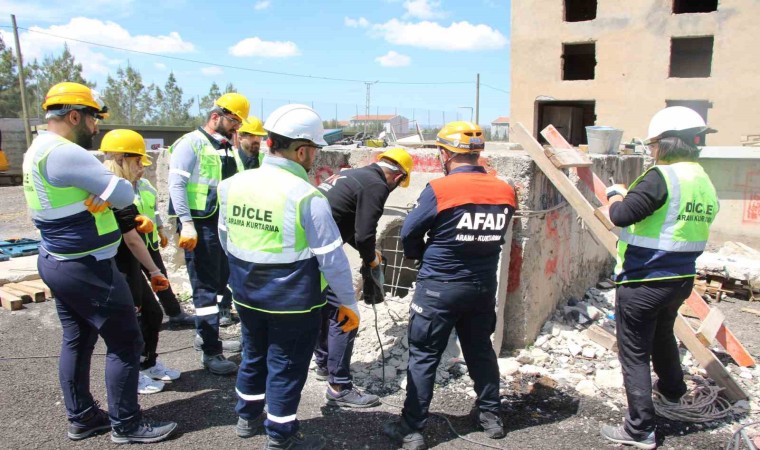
{"points": [[146, 432], [351, 398], [96, 422], [491, 424], [182, 319], [249, 428], [227, 346], [321, 374], [620, 436], [401, 434], [297, 442]]}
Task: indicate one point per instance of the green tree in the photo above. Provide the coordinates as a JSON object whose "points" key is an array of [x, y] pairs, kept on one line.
{"points": [[10, 92], [207, 101], [229, 88], [55, 70], [173, 109], [125, 97]]}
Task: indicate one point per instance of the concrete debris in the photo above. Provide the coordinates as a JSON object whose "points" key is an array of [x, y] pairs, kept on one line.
{"points": [[608, 379], [587, 388]]}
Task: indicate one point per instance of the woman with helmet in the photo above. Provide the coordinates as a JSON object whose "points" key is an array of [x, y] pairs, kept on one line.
{"points": [[665, 216], [126, 158]]}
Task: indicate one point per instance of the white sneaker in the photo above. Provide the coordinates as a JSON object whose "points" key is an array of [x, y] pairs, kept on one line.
{"points": [[161, 373], [146, 385]]}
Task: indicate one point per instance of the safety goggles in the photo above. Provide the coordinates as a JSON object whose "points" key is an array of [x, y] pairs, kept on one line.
{"points": [[229, 115]]}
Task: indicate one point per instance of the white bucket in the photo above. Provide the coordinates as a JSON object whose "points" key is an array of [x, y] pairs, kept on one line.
{"points": [[604, 140]]}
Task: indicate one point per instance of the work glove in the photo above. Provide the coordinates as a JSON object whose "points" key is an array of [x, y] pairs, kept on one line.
{"points": [[96, 204], [158, 282], [378, 258], [348, 317], [188, 237], [162, 237], [144, 224], [616, 189]]}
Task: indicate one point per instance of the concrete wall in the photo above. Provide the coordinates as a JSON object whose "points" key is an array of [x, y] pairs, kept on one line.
{"points": [[14, 141], [633, 56]]}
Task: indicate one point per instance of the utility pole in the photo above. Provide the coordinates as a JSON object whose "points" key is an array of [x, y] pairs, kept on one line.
{"points": [[22, 84], [366, 104], [262, 109], [477, 99]]}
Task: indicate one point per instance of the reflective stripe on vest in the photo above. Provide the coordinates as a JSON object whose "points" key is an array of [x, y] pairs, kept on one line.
{"points": [[205, 176], [238, 161], [145, 200]]}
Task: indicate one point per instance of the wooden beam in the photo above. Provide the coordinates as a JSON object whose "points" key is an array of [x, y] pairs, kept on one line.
{"points": [[501, 295], [10, 301], [602, 337], [752, 311], [25, 297], [40, 285], [563, 156], [709, 327], [38, 295]]}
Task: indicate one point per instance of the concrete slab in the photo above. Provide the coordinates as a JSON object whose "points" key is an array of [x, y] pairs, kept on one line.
{"points": [[18, 269]]}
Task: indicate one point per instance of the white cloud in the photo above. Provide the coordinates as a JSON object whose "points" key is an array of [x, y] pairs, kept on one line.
{"points": [[28, 11], [458, 36], [356, 23], [160, 66], [393, 59], [212, 71], [261, 5], [264, 49], [423, 9]]}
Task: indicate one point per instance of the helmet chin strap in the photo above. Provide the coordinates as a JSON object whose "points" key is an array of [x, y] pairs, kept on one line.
{"points": [[444, 162]]}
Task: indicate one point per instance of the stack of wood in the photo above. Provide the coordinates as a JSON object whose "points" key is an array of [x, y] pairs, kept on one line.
{"points": [[751, 140], [715, 285], [14, 295]]}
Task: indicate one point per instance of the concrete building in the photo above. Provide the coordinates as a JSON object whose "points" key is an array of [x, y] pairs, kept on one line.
{"points": [[381, 122], [602, 62], [500, 129]]}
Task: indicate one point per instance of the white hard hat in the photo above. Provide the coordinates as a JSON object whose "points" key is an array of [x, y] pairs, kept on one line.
{"points": [[297, 122], [674, 121]]}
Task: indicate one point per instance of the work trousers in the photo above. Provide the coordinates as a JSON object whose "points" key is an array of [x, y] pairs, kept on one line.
{"points": [[334, 346], [277, 350], [92, 298], [149, 318], [644, 318], [167, 297], [209, 272], [436, 309]]}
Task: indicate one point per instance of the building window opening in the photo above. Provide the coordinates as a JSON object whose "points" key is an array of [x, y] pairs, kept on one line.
{"points": [[400, 273], [694, 6], [691, 57], [580, 10], [578, 61]]}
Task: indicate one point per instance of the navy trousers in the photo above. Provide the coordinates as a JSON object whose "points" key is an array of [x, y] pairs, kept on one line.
{"points": [[334, 346], [92, 298], [277, 351], [436, 309], [644, 318]]}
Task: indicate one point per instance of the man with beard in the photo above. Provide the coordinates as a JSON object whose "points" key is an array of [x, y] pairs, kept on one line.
{"points": [[199, 161], [248, 154], [68, 192]]}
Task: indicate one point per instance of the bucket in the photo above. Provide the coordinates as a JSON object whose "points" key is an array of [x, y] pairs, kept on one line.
{"points": [[604, 140]]}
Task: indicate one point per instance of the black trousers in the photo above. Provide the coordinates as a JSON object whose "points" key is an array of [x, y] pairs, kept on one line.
{"points": [[644, 316], [334, 346], [167, 298]]}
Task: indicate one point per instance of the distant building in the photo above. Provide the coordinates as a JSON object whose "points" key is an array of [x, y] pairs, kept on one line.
{"points": [[500, 129], [400, 124]]}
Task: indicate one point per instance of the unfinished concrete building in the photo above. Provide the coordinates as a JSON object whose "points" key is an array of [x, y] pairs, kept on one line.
{"points": [[577, 63]]}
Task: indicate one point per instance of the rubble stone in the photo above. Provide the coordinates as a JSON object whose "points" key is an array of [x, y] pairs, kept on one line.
{"points": [[608, 379]]}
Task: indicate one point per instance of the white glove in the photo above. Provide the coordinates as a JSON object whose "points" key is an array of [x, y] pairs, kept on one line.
{"points": [[616, 189], [188, 237]]}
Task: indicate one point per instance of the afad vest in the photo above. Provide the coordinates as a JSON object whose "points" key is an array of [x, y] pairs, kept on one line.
{"points": [[145, 200], [204, 178], [666, 244], [272, 268], [68, 230]]}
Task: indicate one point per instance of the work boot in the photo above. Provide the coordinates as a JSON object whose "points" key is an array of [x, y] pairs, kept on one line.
{"points": [[619, 435], [321, 374], [491, 424], [182, 319], [248, 428], [297, 442], [225, 317], [145, 432], [403, 435], [96, 422], [351, 398], [227, 346], [219, 365]]}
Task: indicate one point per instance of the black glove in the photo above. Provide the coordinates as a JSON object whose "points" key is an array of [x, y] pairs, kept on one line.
{"points": [[374, 279]]}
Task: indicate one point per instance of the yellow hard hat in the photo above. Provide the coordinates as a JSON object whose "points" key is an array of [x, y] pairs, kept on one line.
{"points": [[403, 159], [235, 103], [253, 126], [461, 137], [125, 141], [68, 93]]}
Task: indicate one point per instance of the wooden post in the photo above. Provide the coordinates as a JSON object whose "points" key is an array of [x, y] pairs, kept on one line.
{"points": [[22, 83]]}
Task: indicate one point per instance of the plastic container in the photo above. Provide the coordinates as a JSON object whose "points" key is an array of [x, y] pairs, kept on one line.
{"points": [[604, 140]]}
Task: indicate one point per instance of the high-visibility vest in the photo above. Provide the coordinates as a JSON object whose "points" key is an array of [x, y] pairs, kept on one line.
{"points": [[672, 237], [145, 200], [266, 243], [204, 178], [239, 161], [81, 232]]}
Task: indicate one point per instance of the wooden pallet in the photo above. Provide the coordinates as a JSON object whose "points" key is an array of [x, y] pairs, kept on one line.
{"points": [[608, 240]]}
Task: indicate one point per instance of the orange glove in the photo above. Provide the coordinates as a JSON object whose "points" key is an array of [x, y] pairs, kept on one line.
{"points": [[162, 237], [158, 282], [188, 237], [348, 317], [144, 224], [378, 257], [96, 204]]}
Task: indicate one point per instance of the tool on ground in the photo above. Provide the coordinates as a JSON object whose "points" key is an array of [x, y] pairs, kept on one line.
{"points": [[188, 237], [374, 280], [96, 204], [144, 224]]}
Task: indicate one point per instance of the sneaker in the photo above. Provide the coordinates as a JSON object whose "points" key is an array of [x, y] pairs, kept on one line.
{"points": [[248, 428], [225, 317], [620, 436], [401, 434], [146, 432], [297, 442], [227, 346], [321, 374], [147, 385], [491, 424], [96, 422], [182, 319], [219, 365], [161, 373], [351, 398]]}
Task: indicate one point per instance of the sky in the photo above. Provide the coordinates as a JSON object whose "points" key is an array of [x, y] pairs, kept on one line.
{"points": [[421, 57]]}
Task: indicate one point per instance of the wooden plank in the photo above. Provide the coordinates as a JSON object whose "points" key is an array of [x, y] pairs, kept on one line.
{"points": [[603, 214], [751, 311], [563, 156], [10, 301], [501, 296], [40, 285], [25, 297], [709, 327], [602, 337], [38, 295]]}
